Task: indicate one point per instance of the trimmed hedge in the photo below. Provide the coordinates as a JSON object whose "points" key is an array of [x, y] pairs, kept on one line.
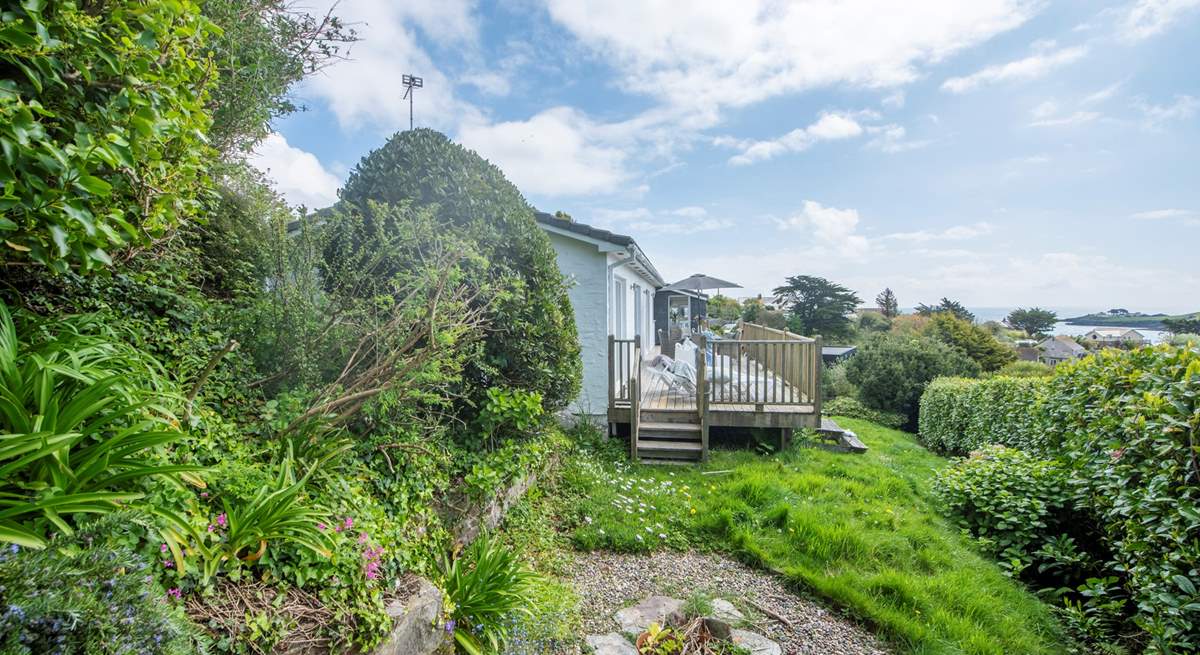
{"points": [[1125, 425], [958, 415]]}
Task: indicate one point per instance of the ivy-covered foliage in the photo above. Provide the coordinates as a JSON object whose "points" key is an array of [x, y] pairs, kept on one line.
{"points": [[102, 124], [531, 342], [958, 415]]}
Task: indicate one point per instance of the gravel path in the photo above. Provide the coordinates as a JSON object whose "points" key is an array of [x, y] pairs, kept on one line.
{"points": [[606, 582]]}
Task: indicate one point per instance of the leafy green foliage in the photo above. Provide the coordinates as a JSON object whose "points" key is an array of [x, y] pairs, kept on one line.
{"points": [[975, 341], [851, 407], [1034, 321], [531, 342], [891, 371], [834, 383], [1183, 324], [817, 306], [102, 126], [1008, 499], [91, 601], [486, 586], [82, 422], [510, 412], [1023, 369], [946, 305], [724, 308], [1127, 426], [959, 415]]}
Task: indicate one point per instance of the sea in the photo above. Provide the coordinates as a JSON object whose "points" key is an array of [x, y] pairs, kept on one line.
{"points": [[984, 314]]}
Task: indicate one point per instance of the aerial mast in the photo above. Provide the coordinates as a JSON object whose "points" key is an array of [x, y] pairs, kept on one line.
{"points": [[411, 82]]}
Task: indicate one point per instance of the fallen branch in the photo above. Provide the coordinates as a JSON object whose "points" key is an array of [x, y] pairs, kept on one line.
{"points": [[230, 346]]}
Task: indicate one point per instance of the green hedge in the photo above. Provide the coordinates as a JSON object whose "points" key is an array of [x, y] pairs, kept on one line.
{"points": [[958, 415], [1127, 424], [851, 407]]}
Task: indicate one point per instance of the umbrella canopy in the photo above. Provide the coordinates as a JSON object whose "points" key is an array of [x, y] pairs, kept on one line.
{"points": [[700, 282]]}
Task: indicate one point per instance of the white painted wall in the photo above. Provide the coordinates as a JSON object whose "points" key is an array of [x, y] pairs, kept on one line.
{"points": [[585, 267], [595, 303]]}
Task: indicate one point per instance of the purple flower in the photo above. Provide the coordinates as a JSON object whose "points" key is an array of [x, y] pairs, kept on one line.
{"points": [[221, 520], [362, 538], [174, 592], [170, 564], [450, 626], [348, 523], [162, 548], [321, 526]]}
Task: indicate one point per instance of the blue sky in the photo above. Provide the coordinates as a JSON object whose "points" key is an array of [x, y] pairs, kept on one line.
{"points": [[1000, 152]]}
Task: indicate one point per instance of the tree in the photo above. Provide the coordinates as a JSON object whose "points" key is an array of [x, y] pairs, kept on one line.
{"points": [[974, 341], [1183, 324], [891, 371], [817, 306], [724, 308], [1034, 321], [872, 322], [531, 340], [946, 305], [887, 303]]}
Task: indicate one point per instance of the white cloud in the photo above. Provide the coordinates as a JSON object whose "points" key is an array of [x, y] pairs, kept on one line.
{"points": [[683, 220], [1180, 216], [953, 233], [722, 54], [894, 100], [1147, 18], [1031, 67], [1045, 110], [832, 227], [297, 174], [892, 139], [365, 91], [1154, 116], [1069, 119], [1103, 94], [829, 127], [557, 152]]}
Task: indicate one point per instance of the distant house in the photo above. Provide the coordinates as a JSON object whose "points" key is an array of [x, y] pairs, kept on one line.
{"points": [[612, 294], [1055, 350], [1114, 337]]}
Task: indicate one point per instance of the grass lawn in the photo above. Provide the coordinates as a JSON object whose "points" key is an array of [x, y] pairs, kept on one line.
{"points": [[858, 530]]}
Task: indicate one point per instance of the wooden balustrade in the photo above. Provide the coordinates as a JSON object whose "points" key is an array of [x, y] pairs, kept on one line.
{"points": [[624, 364]]}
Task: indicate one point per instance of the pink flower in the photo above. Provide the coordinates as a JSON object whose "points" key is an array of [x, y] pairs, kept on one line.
{"points": [[204, 494], [221, 519], [212, 528], [321, 526], [348, 523], [362, 537], [162, 548], [174, 592], [170, 564]]}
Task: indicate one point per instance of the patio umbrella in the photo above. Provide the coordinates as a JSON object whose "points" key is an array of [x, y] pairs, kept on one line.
{"points": [[701, 282]]}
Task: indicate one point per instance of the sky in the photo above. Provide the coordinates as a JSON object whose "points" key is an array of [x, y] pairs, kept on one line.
{"points": [[997, 152]]}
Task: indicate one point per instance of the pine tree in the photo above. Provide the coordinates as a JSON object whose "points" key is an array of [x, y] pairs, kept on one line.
{"points": [[888, 305]]}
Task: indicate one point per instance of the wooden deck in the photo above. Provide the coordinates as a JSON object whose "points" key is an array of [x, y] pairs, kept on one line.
{"points": [[769, 381]]}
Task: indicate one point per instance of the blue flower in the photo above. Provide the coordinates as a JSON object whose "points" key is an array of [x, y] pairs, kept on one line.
{"points": [[450, 626]]}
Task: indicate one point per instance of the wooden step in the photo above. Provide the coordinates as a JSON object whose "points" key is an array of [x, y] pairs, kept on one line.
{"points": [[668, 428], [670, 416], [678, 450]]}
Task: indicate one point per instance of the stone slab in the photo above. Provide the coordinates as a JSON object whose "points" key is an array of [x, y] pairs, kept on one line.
{"points": [[610, 644], [414, 630], [655, 609], [756, 643]]}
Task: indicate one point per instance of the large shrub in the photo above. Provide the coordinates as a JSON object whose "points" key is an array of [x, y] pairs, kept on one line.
{"points": [[851, 407], [1127, 424], [959, 415], [892, 371], [102, 118], [531, 342], [1008, 499], [973, 340]]}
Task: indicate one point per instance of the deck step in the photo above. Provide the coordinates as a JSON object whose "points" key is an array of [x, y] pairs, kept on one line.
{"points": [[669, 416], [669, 450], [669, 428]]}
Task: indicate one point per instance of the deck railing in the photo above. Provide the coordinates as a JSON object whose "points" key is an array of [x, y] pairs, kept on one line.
{"points": [[765, 366], [624, 364]]}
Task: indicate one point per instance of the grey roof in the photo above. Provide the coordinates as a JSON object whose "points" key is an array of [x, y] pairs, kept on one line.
{"points": [[1062, 346], [620, 240], [837, 351]]}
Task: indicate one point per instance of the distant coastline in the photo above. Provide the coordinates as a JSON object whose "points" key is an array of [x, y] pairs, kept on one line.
{"points": [[1134, 321]]}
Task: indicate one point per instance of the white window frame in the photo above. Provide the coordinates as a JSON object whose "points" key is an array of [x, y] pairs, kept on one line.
{"points": [[619, 307]]}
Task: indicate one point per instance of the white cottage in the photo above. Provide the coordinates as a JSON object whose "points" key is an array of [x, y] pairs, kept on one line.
{"points": [[612, 291]]}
